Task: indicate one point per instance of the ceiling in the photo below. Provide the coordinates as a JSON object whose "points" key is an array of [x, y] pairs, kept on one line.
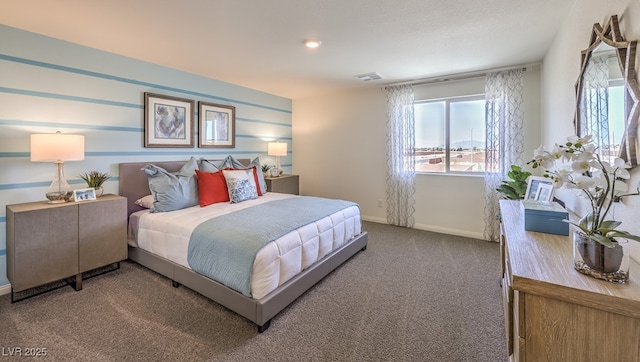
{"points": [[259, 44]]}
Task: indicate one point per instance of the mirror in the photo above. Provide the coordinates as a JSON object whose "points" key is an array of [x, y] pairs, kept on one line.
{"points": [[607, 94]]}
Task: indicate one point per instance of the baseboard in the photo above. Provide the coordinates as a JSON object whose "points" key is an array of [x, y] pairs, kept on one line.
{"points": [[457, 232], [379, 220], [435, 229], [5, 289]]}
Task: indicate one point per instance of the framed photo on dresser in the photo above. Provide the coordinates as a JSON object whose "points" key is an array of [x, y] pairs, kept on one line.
{"points": [[544, 193], [533, 183]]}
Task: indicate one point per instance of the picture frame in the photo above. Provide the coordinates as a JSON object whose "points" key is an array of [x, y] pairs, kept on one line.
{"points": [[533, 182], [168, 121], [544, 192], [217, 125], [80, 195]]}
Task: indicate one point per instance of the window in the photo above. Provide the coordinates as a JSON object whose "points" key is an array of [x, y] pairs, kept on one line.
{"points": [[450, 135], [606, 122], [616, 119]]}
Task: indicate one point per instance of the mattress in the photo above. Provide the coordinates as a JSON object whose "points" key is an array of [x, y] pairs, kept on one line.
{"points": [[167, 235]]}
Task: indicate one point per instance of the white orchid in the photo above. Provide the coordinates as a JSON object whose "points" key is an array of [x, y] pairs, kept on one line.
{"points": [[581, 166], [578, 141], [599, 181], [561, 177], [583, 183], [544, 158], [557, 153]]}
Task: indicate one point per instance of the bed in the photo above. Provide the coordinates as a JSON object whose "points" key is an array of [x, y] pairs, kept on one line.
{"points": [[261, 305]]}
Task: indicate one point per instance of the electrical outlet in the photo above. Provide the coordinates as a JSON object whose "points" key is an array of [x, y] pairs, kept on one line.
{"points": [[379, 203]]}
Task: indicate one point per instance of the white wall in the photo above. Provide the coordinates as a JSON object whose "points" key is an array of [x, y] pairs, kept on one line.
{"points": [[560, 71], [340, 147], [340, 142]]}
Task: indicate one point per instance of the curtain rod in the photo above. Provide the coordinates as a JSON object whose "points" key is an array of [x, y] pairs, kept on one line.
{"points": [[460, 76]]}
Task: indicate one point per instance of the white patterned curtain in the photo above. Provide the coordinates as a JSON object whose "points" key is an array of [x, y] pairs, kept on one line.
{"points": [[505, 139], [594, 104], [400, 156]]}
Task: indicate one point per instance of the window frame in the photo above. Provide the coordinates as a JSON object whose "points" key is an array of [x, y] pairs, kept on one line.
{"points": [[447, 125]]}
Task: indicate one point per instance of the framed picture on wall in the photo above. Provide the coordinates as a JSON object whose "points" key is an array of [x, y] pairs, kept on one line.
{"points": [[168, 121], [217, 125], [533, 183]]}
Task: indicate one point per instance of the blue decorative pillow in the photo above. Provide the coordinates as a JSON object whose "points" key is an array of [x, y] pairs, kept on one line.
{"points": [[173, 191], [211, 166], [241, 185], [231, 162]]}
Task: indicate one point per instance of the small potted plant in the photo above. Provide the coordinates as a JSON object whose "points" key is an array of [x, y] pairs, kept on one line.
{"points": [[95, 179], [516, 187], [265, 169]]}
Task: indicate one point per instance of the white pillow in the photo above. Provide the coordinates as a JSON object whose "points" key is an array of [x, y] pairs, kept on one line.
{"points": [[145, 202]]}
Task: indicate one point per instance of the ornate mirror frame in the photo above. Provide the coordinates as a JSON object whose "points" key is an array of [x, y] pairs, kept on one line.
{"points": [[626, 55]]}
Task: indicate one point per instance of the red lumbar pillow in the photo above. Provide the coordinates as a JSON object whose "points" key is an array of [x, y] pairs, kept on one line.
{"points": [[257, 180], [212, 188]]}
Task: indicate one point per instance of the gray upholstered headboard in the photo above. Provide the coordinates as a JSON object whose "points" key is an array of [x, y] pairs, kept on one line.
{"points": [[134, 183]]}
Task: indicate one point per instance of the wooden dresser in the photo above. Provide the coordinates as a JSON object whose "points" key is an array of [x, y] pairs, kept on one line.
{"points": [[554, 313]]}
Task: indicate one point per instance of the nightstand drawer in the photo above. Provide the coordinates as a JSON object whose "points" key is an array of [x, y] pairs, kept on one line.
{"points": [[50, 242], [42, 245], [102, 242], [286, 184]]}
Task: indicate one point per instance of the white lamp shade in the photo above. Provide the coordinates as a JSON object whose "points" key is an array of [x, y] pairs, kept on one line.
{"points": [[54, 147], [277, 149]]}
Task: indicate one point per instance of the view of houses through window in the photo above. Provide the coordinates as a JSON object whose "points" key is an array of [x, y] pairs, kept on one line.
{"points": [[450, 135]]}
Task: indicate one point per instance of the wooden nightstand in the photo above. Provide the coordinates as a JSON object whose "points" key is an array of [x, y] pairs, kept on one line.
{"points": [[286, 184], [49, 242]]}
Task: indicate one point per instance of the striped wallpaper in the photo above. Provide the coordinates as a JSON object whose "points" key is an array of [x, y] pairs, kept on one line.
{"points": [[48, 85]]}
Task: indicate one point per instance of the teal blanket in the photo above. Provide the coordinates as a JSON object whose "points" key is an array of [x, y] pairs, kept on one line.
{"points": [[224, 248]]}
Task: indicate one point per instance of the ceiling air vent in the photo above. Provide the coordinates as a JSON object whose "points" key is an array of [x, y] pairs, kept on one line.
{"points": [[369, 76]]}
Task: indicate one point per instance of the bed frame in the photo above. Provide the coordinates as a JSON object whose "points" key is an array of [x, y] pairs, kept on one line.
{"points": [[134, 185]]}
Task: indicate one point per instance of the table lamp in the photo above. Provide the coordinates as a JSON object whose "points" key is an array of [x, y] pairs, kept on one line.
{"points": [[57, 148], [277, 149]]}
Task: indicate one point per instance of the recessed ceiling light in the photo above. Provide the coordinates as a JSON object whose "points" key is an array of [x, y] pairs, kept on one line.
{"points": [[369, 76], [312, 43]]}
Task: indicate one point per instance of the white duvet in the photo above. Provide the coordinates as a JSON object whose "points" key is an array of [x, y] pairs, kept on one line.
{"points": [[167, 234]]}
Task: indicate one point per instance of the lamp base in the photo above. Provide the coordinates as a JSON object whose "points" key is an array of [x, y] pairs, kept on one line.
{"points": [[59, 191], [59, 197]]}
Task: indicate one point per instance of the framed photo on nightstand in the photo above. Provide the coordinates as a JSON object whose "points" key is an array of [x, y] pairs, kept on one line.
{"points": [[84, 194]]}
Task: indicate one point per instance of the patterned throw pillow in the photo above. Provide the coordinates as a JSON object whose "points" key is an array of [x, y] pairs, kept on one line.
{"points": [[231, 162], [241, 185]]}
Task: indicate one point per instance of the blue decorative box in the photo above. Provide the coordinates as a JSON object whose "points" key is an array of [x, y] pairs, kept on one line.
{"points": [[545, 217]]}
